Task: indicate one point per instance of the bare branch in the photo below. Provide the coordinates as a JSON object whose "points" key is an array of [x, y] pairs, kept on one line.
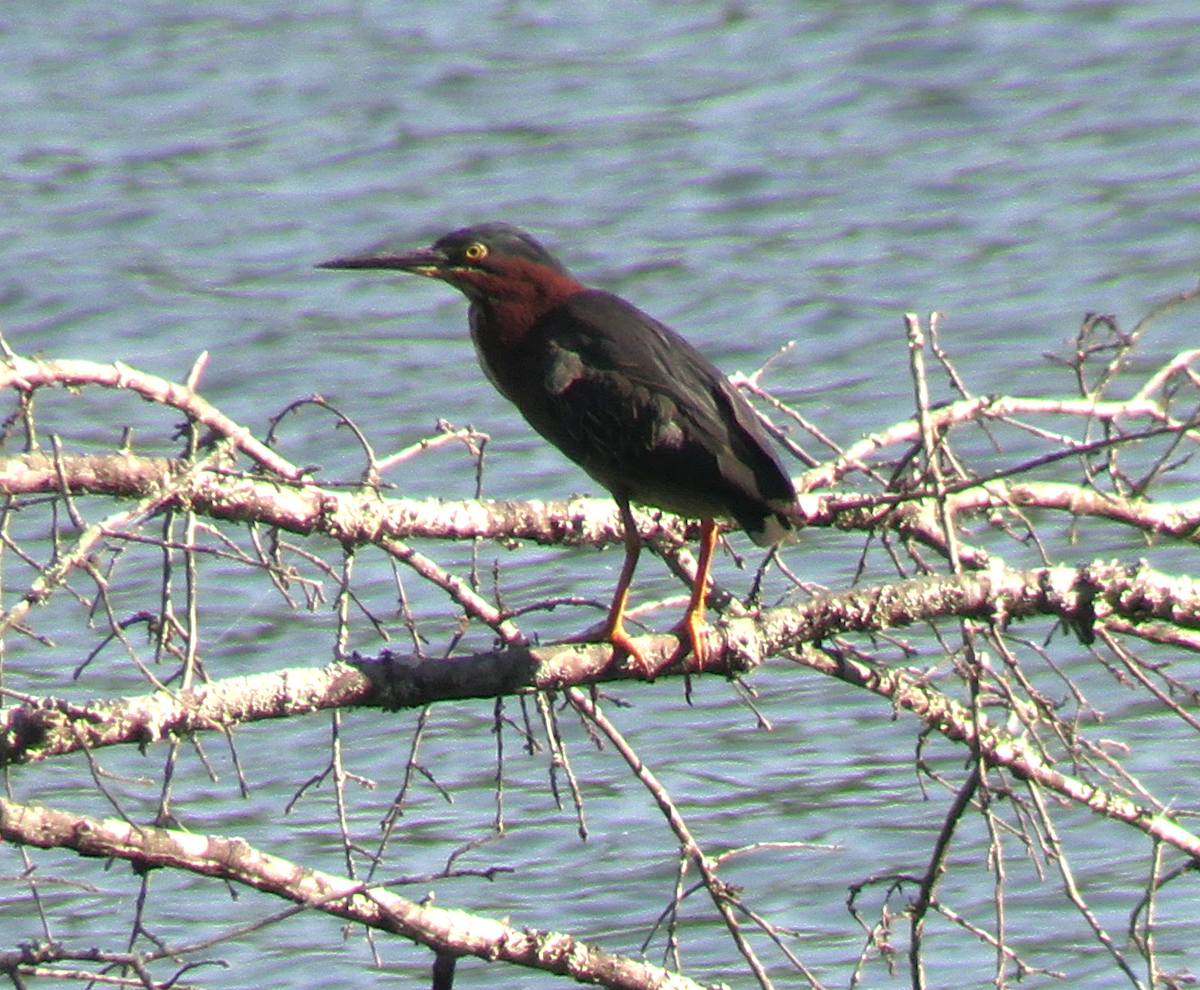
{"points": [[27, 375], [235, 860]]}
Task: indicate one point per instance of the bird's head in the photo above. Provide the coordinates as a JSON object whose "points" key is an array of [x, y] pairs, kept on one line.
{"points": [[495, 265]]}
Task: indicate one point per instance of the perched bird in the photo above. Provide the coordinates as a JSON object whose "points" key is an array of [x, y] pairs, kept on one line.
{"points": [[623, 396]]}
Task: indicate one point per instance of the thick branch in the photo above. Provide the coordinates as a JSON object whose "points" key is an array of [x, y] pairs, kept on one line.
{"points": [[1082, 596], [363, 515], [236, 861], [358, 516]]}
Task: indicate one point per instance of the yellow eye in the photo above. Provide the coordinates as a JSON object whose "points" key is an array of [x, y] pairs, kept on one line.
{"points": [[475, 252]]}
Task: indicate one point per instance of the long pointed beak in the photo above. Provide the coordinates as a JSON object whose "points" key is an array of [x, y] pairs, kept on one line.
{"points": [[427, 261]]}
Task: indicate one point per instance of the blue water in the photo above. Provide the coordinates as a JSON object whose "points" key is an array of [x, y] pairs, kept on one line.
{"points": [[749, 173]]}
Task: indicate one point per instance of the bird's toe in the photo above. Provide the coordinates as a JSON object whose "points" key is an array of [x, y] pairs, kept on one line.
{"points": [[691, 632]]}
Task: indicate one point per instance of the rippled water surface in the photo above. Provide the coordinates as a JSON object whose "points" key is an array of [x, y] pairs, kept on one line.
{"points": [[751, 173]]}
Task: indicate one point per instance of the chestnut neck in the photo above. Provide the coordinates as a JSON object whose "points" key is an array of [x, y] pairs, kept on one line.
{"points": [[515, 296]]}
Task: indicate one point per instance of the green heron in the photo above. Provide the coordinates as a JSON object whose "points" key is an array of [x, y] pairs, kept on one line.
{"points": [[623, 396]]}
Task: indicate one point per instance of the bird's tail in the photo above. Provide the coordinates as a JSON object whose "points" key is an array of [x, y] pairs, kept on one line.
{"points": [[778, 526]]}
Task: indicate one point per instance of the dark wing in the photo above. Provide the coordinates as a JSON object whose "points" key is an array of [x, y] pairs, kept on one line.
{"points": [[649, 416]]}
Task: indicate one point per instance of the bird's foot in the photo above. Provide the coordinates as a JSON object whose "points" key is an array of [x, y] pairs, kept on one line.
{"points": [[621, 640], [691, 630]]}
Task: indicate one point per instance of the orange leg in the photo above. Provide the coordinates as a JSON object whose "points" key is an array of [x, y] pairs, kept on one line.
{"points": [[614, 628], [691, 628]]}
